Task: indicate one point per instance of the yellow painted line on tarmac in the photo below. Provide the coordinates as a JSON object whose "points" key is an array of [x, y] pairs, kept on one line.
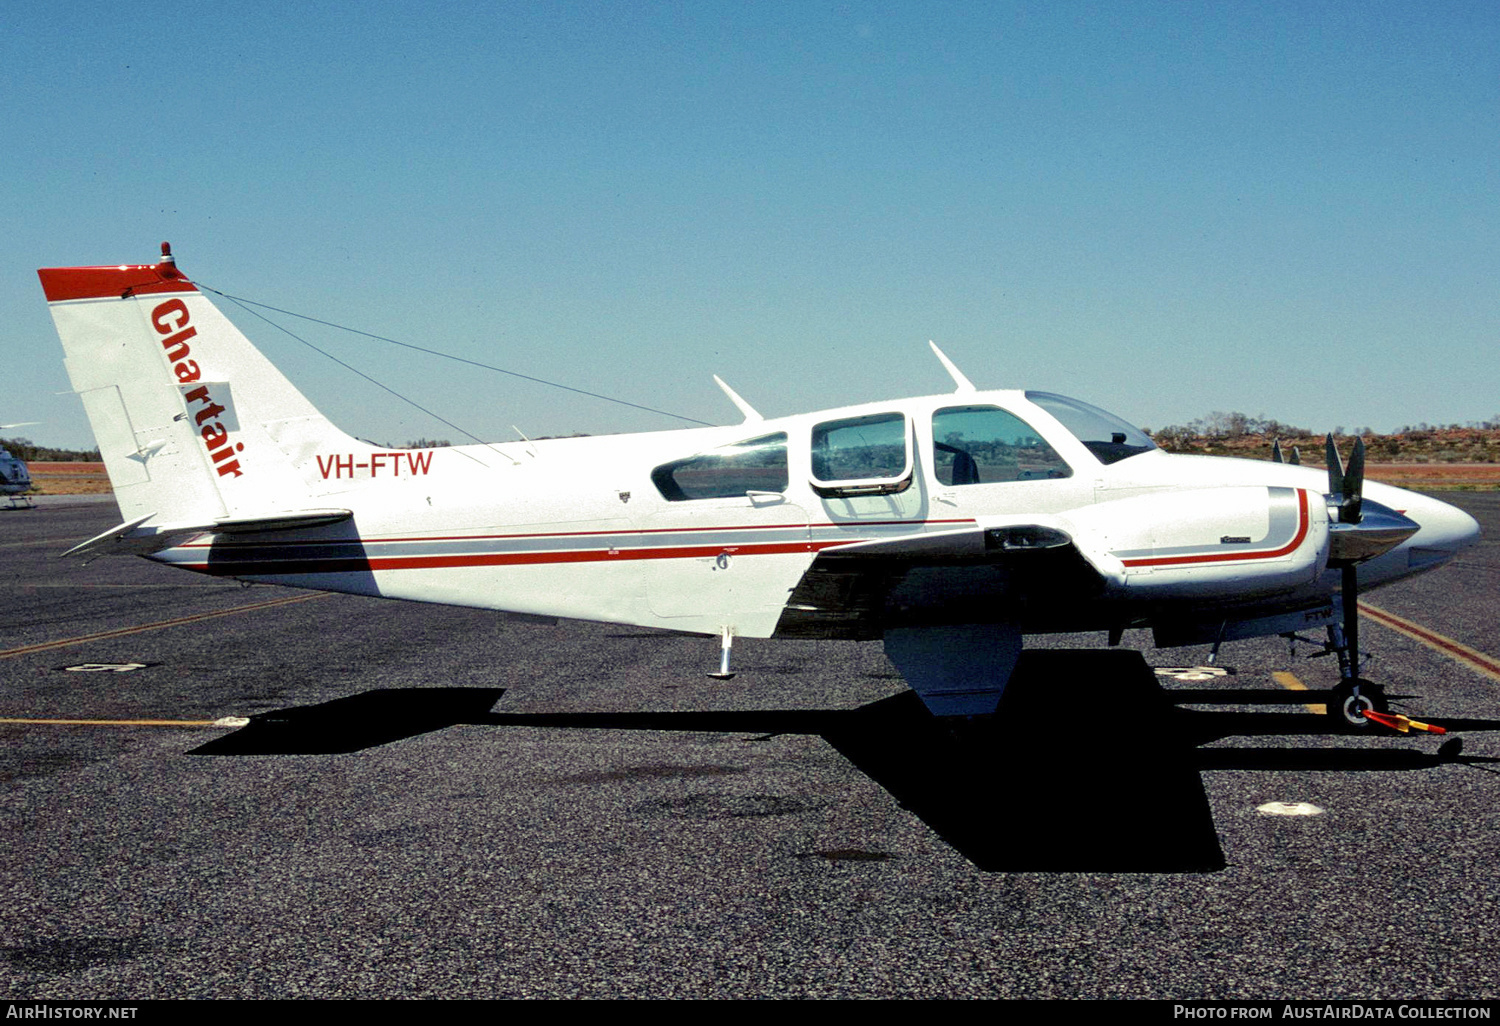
{"points": [[1291, 682], [112, 723], [1487, 665], [47, 646], [37, 543], [134, 585]]}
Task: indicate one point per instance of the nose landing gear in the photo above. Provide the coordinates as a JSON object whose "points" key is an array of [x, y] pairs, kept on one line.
{"points": [[1352, 699]]}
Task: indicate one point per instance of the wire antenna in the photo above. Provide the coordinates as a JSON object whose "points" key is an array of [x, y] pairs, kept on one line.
{"points": [[431, 352]]}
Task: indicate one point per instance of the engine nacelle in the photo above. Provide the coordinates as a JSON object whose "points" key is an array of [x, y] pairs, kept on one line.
{"points": [[1232, 542]]}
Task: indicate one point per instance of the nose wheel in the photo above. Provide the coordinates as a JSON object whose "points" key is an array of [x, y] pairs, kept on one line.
{"points": [[1352, 699]]}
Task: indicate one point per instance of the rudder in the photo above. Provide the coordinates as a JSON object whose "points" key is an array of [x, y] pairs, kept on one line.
{"points": [[193, 423]]}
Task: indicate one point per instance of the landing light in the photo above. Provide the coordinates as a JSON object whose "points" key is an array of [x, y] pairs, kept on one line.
{"points": [[1027, 536]]}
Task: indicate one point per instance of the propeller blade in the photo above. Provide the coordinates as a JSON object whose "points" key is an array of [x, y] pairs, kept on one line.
{"points": [[1354, 485], [1276, 456], [1335, 467], [1347, 483], [1296, 459]]}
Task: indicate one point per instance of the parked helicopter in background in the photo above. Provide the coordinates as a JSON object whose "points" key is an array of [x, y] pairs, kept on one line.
{"points": [[15, 477]]}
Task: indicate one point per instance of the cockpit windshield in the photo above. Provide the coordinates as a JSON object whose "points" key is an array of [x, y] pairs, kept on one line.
{"points": [[1108, 437]]}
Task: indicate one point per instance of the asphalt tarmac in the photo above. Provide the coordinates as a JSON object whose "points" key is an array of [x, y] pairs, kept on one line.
{"points": [[436, 802]]}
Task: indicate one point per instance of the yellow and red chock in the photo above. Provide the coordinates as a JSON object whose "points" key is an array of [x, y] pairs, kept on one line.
{"points": [[1403, 723]]}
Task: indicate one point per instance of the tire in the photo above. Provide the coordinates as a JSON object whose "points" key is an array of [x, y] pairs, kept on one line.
{"points": [[1350, 710]]}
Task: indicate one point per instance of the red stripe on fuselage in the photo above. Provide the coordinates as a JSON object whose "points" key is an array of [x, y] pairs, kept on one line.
{"points": [[862, 524], [314, 564], [355, 564]]}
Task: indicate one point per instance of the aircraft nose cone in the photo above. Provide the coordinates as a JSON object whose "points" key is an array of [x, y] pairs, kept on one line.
{"points": [[1445, 528]]}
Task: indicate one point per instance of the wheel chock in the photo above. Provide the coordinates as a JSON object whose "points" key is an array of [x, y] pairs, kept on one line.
{"points": [[1391, 720], [1402, 723]]}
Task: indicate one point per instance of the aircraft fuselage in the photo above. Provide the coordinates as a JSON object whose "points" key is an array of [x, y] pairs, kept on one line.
{"points": [[698, 531]]}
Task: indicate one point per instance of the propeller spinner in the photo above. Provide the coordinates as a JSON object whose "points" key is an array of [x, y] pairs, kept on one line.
{"points": [[1364, 529]]}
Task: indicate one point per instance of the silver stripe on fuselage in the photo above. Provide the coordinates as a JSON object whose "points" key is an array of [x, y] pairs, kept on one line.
{"points": [[819, 535]]}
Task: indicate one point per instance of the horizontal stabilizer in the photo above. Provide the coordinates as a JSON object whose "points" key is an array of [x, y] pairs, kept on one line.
{"points": [[278, 521], [112, 540], [135, 537]]}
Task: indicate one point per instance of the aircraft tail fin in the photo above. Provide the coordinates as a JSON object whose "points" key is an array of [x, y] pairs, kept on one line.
{"points": [[193, 423]]}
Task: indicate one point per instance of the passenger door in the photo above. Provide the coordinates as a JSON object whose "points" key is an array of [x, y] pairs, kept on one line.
{"points": [[731, 544]]}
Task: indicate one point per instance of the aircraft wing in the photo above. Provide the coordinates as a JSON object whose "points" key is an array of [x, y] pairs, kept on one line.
{"points": [[994, 569], [136, 537]]}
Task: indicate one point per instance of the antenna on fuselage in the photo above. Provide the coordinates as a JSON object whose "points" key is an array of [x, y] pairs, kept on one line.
{"points": [[752, 415], [963, 383], [530, 449]]}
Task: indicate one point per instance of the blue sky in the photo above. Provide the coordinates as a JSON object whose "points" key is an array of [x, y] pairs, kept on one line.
{"points": [[1287, 209]]}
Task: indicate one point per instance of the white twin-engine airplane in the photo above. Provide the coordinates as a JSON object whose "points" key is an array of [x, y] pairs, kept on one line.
{"points": [[949, 526]]}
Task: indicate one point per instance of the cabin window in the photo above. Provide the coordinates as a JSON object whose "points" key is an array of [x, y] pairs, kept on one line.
{"points": [[861, 448], [988, 445], [757, 465]]}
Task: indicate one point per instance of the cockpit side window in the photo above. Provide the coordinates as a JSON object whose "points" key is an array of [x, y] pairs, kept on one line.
{"points": [[987, 445], [757, 465]]}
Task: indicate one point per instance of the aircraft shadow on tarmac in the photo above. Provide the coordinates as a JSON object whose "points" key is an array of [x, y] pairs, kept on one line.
{"points": [[353, 724], [1089, 764]]}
